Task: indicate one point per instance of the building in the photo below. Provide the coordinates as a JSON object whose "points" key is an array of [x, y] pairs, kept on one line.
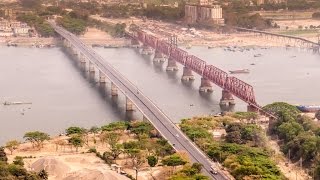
{"points": [[203, 13], [260, 2], [13, 28]]}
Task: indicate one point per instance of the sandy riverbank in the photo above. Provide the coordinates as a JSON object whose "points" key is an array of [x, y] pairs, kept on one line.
{"points": [[91, 37], [201, 37]]}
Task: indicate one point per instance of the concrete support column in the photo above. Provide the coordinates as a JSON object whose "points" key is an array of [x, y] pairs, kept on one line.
{"points": [[251, 108], [172, 65], [91, 67], [129, 104], [135, 43], [158, 57], [82, 63], [146, 50], [187, 74], [102, 78], [205, 85], [227, 98], [114, 89], [91, 70]]}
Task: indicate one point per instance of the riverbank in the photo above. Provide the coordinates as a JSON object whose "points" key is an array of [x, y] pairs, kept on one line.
{"points": [[90, 159], [203, 37], [93, 37]]}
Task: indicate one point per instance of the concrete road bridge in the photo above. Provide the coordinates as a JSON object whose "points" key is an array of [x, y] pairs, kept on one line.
{"points": [[87, 57]]}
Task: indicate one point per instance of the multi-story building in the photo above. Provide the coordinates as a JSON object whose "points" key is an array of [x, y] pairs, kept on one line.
{"points": [[203, 13]]}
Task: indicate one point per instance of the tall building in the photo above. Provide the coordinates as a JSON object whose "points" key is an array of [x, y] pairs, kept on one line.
{"points": [[201, 13]]}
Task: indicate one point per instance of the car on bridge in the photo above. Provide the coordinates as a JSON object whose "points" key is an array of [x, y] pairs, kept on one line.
{"points": [[213, 170]]}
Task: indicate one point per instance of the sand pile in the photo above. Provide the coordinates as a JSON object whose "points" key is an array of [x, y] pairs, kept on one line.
{"points": [[92, 174], [53, 166]]}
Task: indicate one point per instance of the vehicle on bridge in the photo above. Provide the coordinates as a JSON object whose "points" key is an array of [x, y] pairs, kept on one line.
{"points": [[213, 170]]}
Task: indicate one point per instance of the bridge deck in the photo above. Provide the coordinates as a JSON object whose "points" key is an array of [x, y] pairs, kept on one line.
{"points": [[159, 120], [279, 35]]}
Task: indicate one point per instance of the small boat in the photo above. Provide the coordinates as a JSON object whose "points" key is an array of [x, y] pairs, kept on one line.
{"points": [[257, 55], [188, 46], [210, 47], [307, 108], [252, 64], [240, 71], [15, 103]]}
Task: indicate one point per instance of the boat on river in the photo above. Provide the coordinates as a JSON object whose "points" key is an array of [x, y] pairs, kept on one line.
{"points": [[311, 108], [240, 71], [15, 103]]}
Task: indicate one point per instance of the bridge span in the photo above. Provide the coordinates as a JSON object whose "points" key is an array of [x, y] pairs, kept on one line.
{"points": [[150, 111], [302, 42], [231, 86]]}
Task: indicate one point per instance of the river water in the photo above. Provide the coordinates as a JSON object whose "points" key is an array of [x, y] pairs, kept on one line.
{"points": [[61, 96]]}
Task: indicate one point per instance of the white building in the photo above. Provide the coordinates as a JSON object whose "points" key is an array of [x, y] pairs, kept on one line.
{"points": [[199, 13], [21, 31]]}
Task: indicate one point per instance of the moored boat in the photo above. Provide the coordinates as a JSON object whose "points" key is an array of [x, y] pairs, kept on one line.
{"points": [[15, 103], [239, 71], [306, 108]]}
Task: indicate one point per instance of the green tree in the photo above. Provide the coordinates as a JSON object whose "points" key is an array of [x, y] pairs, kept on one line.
{"points": [[17, 170], [18, 160], [76, 26], [152, 161], [36, 138], [74, 130], [114, 152], [76, 141], [94, 130], [3, 155], [140, 127], [163, 148], [197, 167], [12, 145], [173, 161], [43, 174], [111, 138], [116, 126], [289, 130]]}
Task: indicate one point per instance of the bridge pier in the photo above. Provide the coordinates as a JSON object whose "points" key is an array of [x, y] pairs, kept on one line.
{"points": [[135, 43], [91, 70], [114, 89], [251, 108], [227, 98], [172, 65], [129, 105], [158, 57], [187, 74], [82, 63], [205, 85], [102, 79], [146, 50]]}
